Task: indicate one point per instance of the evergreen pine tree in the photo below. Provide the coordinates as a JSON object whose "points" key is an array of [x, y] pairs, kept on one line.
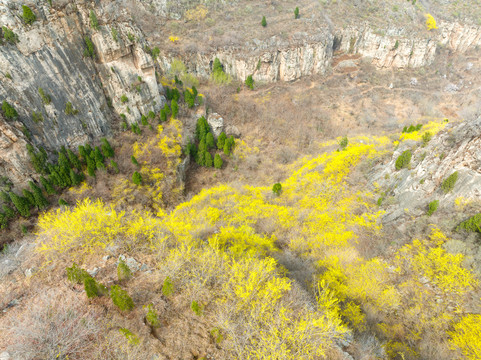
{"points": [[47, 186], [114, 166], [63, 160], [62, 202], [83, 153], [208, 159], [21, 204], [221, 141], [134, 160], [264, 21], [209, 140], [40, 200], [296, 13], [121, 298], [217, 161], [74, 160], [175, 108], [107, 149], [8, 211], [91, 167], [194, 92], [226, 148], [163, 116], [167, 109], [4, 196], [144, 121], [29, 198]]}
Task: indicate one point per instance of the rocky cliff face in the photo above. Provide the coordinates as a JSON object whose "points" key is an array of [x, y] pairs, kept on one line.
{"points": [[50, 56], [286, 60], [457, 148]]}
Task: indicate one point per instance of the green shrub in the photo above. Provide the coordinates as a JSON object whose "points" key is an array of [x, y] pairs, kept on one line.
{"points": [[131, 37], [124, 99], [427, 136], [264, 21], [217, 161], [218, 74], [62, 202], [209, 141], [152, 317], [9, 111], [217, 335], [24, 229], [90, 287], [137, 178], [69, 110], [37, 117], [196, 308], [155, 53], [473, 224], [115, 34], [46, 99], [143, 120], [134, 160], [189, 99], [114, 166], [433, 206], [93, 20], [403, 160], [250, 82], [296, 13], [343, 143], [151, 114], [121, 298], [449, 183], [277, 189], [40, 200], [130, 336], [28, 15], [76, 274], [9, 36], [123, 271], [89, 51], [412, 128], [167, 287]]}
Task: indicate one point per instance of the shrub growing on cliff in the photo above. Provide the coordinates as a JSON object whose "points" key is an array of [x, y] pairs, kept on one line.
{"points": [[121, 298], [433, 206], [250, 82], [9, 111], [94, 23], [46, 99], [28, 15], [403, 160], [473, 224], [449, 183], [90, 50], [9, 36]]}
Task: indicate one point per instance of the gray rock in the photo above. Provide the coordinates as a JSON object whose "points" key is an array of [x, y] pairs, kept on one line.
{"points": [[216, 122], [133, 264], [93, 272], [5, 356], [144, 267], [29, 272]]}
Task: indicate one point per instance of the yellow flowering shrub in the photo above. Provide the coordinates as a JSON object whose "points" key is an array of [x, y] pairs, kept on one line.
{"points": [[466, 336]]}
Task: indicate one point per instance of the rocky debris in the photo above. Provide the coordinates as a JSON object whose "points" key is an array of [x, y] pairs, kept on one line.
{"points": [[29, 272], [414, 81], [216, 123], [133, 264], [5, 356], [93, 272], [452, 88]]}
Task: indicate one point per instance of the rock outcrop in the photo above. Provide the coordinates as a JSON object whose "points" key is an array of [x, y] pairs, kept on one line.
{"points": [[50, 55], [277, 59]]}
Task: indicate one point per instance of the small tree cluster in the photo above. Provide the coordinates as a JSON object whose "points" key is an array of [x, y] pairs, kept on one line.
{"points": [[403, 160], [93, 20]]}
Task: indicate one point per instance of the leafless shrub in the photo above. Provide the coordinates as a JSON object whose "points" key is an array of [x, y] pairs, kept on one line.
{"points": [[52, 325]]}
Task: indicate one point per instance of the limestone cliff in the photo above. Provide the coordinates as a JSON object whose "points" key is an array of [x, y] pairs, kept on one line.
{"points": [[50, 56]]}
